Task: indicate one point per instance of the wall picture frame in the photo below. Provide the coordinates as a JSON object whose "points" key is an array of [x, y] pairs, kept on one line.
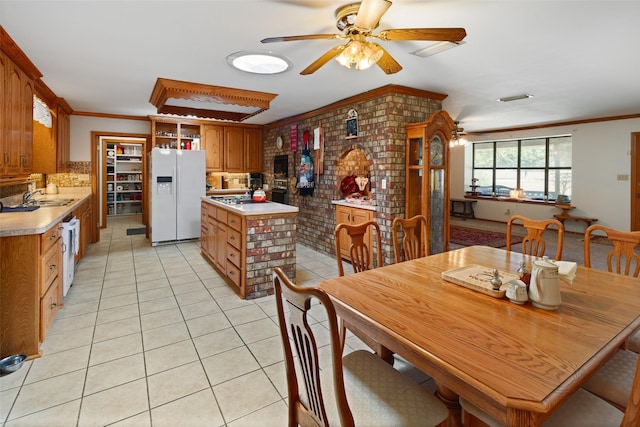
{"points": [[351, 124]]}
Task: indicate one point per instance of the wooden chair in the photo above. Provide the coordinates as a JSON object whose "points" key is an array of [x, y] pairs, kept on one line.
{"points": [[623, 252], [415, 242], [614, 380], [533, 243], [357, 389], [360, 254], [581, 409], [361, 260]]}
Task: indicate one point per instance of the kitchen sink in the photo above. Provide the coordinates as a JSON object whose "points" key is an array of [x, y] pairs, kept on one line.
{"points": [[54, 202]]}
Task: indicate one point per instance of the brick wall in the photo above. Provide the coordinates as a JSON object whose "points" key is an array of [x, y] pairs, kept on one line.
{"points": [[381, 140], [271, 242]]}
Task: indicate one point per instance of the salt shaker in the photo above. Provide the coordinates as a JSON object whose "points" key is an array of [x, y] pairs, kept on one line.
{"points": [[495, 281]]}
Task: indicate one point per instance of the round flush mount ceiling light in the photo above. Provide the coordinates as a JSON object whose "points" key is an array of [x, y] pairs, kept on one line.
{"points": [[259, 62]]}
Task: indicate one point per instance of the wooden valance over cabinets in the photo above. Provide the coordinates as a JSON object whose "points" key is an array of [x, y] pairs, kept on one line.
{"points": [[206, 101]]}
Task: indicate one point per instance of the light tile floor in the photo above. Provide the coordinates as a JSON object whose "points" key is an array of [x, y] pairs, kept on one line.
{"points": [[153, 336]]}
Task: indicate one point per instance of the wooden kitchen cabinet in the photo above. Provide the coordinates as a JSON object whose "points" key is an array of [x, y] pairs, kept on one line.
{"points": [[18, 75], [31, 291], [84, 215], [213, 144], [224, 247], [232, 148], [63, 140], [18, 121], [352, 215], [204, 229], [253, 150]]}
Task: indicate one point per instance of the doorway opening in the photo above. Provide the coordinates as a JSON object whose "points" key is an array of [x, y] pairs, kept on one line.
{"points": [[119, 168]]}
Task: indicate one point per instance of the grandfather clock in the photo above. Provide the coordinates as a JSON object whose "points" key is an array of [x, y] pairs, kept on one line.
{"points": [[427, 171]]}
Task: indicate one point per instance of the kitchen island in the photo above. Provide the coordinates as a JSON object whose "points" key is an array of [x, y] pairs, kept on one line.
{"points": [[245, 241]]}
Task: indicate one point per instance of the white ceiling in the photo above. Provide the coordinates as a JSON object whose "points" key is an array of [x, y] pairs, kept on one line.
{"points": [[580, 59]]}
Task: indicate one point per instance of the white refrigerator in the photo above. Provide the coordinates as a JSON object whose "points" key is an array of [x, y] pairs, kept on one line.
{"points": [[177, 181]]}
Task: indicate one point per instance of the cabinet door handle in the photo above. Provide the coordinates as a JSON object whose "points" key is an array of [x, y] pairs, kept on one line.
{"points": [[53, 305], [52, 267], [6, 158], [232, 238], [53, 237]]}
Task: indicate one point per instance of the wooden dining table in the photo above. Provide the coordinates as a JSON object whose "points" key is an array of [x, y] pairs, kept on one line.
{"points": [[518, 363]]}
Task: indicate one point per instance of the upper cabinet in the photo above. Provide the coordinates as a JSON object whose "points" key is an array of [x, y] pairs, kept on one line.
{"points": [[213, 143], [18, 75], [51, 145], [253, 150], [63, 136], [18, 121], [175, 133], [232, 148]]}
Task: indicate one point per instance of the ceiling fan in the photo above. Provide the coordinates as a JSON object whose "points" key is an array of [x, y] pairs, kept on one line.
{"points": [[357, 22]]}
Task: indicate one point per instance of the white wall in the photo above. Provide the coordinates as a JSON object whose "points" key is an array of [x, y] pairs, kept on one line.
{"points": [[601, 151], [82, 126]]}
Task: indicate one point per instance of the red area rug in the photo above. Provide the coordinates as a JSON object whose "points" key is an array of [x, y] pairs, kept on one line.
{"points": [[471, 236]]}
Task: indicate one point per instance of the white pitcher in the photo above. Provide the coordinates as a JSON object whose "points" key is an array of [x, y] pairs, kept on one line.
{"points": [[544, 290]]}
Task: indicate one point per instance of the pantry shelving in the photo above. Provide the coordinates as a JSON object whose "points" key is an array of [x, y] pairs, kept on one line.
{"points": [[124, 179]]}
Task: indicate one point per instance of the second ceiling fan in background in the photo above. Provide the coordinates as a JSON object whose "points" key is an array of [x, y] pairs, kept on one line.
{"points": [[357, 22]]}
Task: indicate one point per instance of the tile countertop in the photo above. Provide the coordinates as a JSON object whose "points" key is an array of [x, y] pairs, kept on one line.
{"points": [[40, 220], [249, 209], [353, 205]]}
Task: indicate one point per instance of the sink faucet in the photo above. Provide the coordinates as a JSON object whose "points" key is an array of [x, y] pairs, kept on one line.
{"points": [[27, 197]]}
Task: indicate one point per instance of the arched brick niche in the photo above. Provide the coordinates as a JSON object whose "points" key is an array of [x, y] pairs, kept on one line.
{"points": [[355, 160]]}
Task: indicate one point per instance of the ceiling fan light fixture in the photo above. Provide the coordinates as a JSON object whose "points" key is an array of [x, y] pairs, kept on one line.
{"points": [[259, 62], [359, 54], [515, 97]]}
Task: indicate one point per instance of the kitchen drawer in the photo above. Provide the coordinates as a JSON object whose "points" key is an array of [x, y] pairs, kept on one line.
{"points": [[49, 237], [221, 216], [204, 213], [234, 221], [234, 238], [50, 303], [233, 255], [212, 212], [50, 266], [233, 273]]}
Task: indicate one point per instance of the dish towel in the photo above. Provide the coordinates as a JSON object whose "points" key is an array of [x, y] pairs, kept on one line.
{"points": [[567, 270], [75, 235]]}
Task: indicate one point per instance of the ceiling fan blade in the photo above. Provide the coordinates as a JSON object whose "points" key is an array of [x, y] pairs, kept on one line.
{"points": [[328, 56], [370, 12], [434, 34], [305, 37], [387, 63]]}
